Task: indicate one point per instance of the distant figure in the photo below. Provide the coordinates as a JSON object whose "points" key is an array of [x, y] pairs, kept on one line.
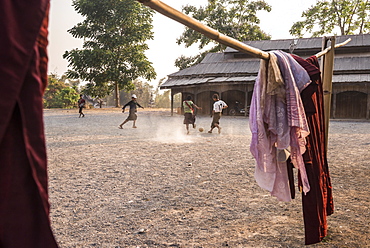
{"points": [[218, 106], [133, 109], [189, 114], [24, 206], [81, 105]]}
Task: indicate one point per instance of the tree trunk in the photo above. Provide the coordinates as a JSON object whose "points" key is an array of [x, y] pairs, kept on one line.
{"points": [[116, 94]]}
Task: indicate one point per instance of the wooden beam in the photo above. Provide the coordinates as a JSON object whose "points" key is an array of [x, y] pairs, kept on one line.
{"points": [[171, 103]]}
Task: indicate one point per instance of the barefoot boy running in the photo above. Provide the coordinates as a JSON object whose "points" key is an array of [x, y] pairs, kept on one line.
{"points": [[133, 109], [218, 106]]}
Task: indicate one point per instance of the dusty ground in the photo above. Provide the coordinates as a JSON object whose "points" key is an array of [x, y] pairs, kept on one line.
{"points": [[154, 186]]}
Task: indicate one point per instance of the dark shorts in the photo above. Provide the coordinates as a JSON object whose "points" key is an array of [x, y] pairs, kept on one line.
{"points": [[216, 119], [132, 115], [189, 118]]}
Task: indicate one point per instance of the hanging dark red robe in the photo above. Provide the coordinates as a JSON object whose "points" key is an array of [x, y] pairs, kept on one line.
{"points": [[24, 208], [318, 202]]}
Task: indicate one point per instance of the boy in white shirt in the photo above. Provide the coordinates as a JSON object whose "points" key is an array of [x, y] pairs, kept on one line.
{"points": [[218, 106]]}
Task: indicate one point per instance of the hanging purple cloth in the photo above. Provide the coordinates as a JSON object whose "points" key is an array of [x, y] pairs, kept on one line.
{"points": [[278, 122]]}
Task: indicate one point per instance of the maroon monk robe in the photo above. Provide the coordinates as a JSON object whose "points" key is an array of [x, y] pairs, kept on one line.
{"points": [[24, 208], [318, 202]]}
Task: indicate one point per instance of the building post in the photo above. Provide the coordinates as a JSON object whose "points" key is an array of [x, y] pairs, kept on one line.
{"points": [[116, 95], [171, 103], [334, 104], [246, 101], [220, 96], [368, 104]]}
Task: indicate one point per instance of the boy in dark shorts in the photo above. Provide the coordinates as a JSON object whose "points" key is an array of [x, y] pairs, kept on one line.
{"points": [[81, 105], [189, 116], [218, 106], [133, 109]]}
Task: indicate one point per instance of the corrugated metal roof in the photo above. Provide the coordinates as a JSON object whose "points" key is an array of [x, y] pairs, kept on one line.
{"points": [[304, 43], [173, 82], [346, 78], [351, 78], [284, 44], [220, 67], [228, 67], [214, 66], [352, 64], [185, 81], [233, 79], [213, 57]]}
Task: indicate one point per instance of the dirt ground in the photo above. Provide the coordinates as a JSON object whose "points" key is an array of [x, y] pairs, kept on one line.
{"points": [[155, 186]]}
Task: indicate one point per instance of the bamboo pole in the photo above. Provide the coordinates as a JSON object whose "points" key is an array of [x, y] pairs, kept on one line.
{"points": [[326, 50], [327, 67], [201, 28], [327, 77]]}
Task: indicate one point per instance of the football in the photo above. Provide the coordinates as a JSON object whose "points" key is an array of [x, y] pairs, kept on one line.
{"points": [[201, 129]]}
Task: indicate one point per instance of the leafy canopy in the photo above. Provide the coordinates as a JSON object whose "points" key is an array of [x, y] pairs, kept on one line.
{"points": [[348, 16], [59, 94], [143, 91], [235, 18], [114, 33]]}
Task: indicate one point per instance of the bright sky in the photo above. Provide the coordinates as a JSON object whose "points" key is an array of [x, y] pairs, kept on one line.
{"points": [[163, 49]]}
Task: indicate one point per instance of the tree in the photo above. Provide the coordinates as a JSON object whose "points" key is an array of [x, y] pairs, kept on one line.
{"points": [[114, 33], [58, 94], [97, 91], [143, 91], [349, 16], [235, 18], [162, 99]]}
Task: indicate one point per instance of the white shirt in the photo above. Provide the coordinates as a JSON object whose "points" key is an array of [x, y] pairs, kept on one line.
{"points": [[218, 106]]}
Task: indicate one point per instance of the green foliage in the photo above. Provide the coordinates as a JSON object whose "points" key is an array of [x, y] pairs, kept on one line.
{"points": [[114, 33], [235, 18], [163, 100], [177, 100], [59, 94], [143, 91], [349, 16]]}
